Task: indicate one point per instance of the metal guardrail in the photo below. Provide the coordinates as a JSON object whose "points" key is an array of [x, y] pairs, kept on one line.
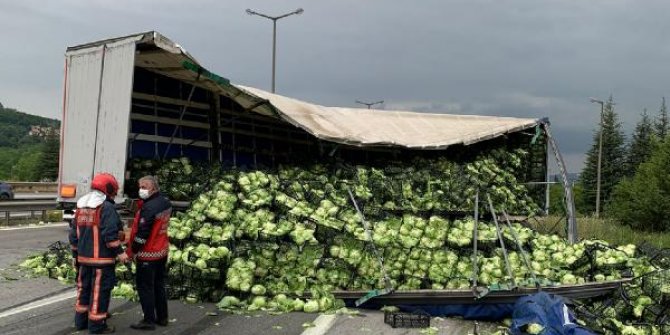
{"points": [[21, 186], [32, 206], [32, 197]]}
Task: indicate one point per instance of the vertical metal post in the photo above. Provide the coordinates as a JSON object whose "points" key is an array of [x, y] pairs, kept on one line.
{"points": [[600, 158], [156, 154], [97, 115], [567, 188], [521, 249], [254, 146], [218, 129], [274, 51], [181, 118], [501, 240], [232, 134], [547, 186], [474, 243], [378, 255], [214, 132]]}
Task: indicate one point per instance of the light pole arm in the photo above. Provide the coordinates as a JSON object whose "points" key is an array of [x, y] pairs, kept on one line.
{"points": [[283, 16], [251, 12]]}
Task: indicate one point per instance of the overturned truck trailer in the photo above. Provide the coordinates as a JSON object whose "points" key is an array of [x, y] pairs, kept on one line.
{"points": [[144, 96]]}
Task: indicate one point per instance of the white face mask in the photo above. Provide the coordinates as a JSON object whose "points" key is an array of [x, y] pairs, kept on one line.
{"points": [[144, 193]]}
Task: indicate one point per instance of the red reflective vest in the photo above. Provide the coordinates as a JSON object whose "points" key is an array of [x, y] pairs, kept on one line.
{"points": [[158, 243]]}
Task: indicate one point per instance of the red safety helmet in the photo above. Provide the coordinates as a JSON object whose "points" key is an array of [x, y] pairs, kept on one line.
{"points": [[105, 183]]}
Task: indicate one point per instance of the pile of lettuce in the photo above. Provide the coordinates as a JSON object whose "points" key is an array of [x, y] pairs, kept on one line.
{"points": [[285, 239]]}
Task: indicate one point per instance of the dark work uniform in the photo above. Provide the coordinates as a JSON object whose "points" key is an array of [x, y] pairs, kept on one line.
{"points": [[150, 245], [94, 239]]}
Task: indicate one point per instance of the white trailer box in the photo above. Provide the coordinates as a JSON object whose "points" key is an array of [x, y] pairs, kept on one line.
{"points": [[97, 96], [144, 97]]}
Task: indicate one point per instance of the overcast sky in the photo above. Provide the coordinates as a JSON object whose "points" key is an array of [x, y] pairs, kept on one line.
{"points": [[523, 58]]}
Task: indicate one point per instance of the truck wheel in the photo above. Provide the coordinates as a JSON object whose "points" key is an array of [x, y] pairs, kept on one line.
{"points": [[4, 196]]}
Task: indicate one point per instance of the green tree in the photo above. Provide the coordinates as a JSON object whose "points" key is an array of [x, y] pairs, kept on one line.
{"points": [[26, 157], [9, 157], [661, 125], [47, 166], [643, 202], [613, 159], [641, 144], [26, 167], [557, 199]]}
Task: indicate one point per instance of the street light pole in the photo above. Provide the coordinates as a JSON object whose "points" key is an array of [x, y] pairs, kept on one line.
{"points": [[274, 35], [600, 154], [274, 52], [370, 104]]}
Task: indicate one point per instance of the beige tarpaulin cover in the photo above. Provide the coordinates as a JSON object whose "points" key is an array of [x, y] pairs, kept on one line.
{"points": [[353, 126], [357, 126]]}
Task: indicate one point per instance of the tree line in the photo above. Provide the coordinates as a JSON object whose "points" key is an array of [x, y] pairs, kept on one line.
{"points": [[24, 157], [635, 175]]}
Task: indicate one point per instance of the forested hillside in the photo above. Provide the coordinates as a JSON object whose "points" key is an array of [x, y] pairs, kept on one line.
{"points": [[26, 157]]}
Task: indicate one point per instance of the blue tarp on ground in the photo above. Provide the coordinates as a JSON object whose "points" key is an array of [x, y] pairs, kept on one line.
{"points": [[541, 308], [548, 310]]}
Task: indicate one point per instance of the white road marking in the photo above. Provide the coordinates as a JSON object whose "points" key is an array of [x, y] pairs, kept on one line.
{"points": [[48, 225], [39, 303], [321, 325]]}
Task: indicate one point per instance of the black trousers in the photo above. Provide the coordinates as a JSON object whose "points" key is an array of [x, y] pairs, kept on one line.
{"points": [[94, 290], [150, 279]]}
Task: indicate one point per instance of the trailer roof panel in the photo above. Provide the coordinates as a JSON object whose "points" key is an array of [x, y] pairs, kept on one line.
{"points": [[351, 126]]}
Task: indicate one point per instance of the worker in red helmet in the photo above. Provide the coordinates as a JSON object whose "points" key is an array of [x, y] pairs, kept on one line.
{"points": [[94, 239]]}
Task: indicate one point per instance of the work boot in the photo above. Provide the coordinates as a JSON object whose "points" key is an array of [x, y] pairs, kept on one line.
{"points": [[107, 330], [143, 325], [162, 323]]}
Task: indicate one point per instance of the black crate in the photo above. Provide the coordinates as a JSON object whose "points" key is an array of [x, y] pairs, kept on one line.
{"points": [[487, 246], [653, 284], [659, 258], [407, 320], [175, 291]]}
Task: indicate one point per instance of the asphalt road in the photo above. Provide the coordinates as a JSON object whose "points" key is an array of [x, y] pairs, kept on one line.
{"points": [[17, 287], [44, 306]]}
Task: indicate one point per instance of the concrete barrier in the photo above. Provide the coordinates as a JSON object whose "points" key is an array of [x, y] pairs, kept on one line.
{"points": [[33, 187]]}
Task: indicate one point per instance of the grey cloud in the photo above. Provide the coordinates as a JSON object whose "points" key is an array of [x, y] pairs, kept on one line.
{"points": [[522, 58]]}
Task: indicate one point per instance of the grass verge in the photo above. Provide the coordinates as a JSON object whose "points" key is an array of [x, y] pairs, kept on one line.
{"points": [[604, 229]]}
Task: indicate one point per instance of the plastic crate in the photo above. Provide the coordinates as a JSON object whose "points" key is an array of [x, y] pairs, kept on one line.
{"points": [[175, 291], [407, 320], [487, 246], [656, 285]]}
